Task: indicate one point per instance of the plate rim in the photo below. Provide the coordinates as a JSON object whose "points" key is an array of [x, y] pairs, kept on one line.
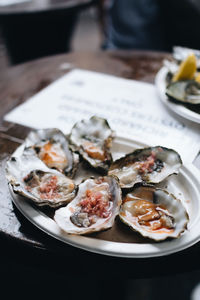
{"points": [[178, 109], [111, 248]]}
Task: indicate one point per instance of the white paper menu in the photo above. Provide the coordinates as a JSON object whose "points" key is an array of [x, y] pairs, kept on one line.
{"points": [[132, 109]]}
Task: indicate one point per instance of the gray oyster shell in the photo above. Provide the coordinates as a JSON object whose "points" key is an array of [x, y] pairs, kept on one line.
{"points": [[150, 165], [31, 178], [184, 91], [73, 219], [93, 139], [154, 213], [52, 147]]}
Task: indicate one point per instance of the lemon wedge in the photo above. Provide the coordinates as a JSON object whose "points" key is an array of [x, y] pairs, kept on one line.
{"points": [[197, 78], [187, 68]]}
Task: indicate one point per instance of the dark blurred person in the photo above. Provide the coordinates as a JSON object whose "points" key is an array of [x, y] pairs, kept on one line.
{"points": [[151, 24]]}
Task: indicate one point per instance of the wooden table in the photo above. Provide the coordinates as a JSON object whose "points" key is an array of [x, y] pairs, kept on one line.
{"points": [[38, 28], [20, 240]]}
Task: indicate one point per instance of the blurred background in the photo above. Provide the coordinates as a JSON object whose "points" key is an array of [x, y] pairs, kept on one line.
{"points": [[87, 36], [89, 30], [32, 29]]}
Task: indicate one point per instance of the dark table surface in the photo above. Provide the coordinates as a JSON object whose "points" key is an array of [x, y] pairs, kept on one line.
{"points": [[20, 240]]}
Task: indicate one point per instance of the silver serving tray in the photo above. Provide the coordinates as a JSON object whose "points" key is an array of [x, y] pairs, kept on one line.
{"points": [[185, 186]]}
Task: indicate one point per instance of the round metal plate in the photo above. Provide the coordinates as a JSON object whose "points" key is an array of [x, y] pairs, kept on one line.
{"points": [[185, 186], [176, 108]]}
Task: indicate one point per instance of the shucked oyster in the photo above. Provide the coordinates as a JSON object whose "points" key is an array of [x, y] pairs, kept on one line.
{"points": [[52, 147], [93, 209], [184, 91], [31, 178], [92, 139], [183, 80], [154, 213], [151, 165]]}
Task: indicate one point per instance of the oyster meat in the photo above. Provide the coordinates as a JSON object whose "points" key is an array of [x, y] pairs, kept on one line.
{"points": [[31, 178], [151, 165], [154, 213], [93, 209], [184, 91], [52, 147], [93, 139]]}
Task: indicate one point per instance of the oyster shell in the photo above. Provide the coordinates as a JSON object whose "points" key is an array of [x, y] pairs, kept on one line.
{"points": [[184, 91], [93, 139], [154, 213], [151, 165], [52, 147], [93, 209], [31, 178]]}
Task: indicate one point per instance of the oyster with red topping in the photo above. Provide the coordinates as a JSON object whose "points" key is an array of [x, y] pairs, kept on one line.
{"points": [[93, 209], [150, 165], [31, 178]]}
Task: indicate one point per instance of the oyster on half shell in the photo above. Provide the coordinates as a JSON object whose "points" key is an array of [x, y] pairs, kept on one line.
{"points": [[184, 91], [93, 209], [93, 139], [154, 213], [52, 147], [31, 178], [150, 165]]}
